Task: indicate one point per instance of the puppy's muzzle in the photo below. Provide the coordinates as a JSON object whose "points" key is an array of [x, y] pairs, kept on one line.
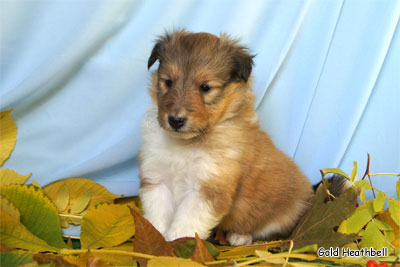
{"points": [[176, 122]]}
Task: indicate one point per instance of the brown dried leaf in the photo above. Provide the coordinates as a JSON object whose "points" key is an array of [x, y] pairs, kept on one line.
{"points": [[45, 258], [5, 248], [148, 240], [201, 253]]}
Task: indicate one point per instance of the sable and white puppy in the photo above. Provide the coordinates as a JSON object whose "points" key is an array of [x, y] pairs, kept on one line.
{"points": [[205, 162]]}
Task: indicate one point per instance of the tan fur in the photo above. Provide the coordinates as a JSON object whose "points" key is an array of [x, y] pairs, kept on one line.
{"points": [[256, 184]]}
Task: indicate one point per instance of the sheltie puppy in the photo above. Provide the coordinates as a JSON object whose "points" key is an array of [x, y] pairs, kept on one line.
{"points": [[205, 162]]}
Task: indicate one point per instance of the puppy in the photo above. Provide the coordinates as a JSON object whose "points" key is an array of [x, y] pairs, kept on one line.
{"points": [[205, 162]]}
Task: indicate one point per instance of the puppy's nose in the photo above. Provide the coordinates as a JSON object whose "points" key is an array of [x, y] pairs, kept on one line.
{"points": [[176, 122]]}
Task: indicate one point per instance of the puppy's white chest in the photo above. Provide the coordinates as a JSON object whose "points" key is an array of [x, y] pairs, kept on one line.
{"points": [[181, 167]]}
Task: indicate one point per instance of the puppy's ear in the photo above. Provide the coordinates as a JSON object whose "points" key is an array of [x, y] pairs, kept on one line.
{"points": [[242, 64], [155, 54]]}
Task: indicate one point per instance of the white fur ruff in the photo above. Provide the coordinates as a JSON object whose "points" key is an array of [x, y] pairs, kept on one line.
{"points": [[174, 203]]}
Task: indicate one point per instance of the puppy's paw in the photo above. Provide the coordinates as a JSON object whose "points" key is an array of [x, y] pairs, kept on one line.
{"points": [[235, 239], [172, 235]]}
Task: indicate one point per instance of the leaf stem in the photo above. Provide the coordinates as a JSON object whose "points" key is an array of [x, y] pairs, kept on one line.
{"points": [[290, 251], [106, 251], [298, 256], [70, 216], [384, 173], [367, 173], [224, 261]]}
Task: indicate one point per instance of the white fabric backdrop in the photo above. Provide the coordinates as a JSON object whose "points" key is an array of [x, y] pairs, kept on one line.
{"points": [[326, 78]]}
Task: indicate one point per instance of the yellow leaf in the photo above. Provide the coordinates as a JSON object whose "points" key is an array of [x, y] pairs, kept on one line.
{"points": [[385, 217], [118, 260], [172, 262], [80, 261], [71, 219], [78, 187], [394, 209], [36, 184], [382, 225], [8, 135], [356, 222], [14, 234], [374, 238], [363, 184], [353, 172], [64, 223], [11, 177], [264, 253], [81, 203], [243, 251], [379, 201], [335, 171], [362, 195], [62, 199], [8, 207], [398, 189], [106, 225]]}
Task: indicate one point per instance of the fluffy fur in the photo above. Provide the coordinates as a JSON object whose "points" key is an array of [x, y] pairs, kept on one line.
{"points": [[219, 168]]}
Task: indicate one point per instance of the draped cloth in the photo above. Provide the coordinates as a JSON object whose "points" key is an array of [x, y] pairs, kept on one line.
{"points": [[326, 79]]}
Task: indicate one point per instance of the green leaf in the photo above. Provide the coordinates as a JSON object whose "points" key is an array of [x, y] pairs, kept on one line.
{"points": [[15, 258], [379, 201], [307, 249], [363, 184], [335, 171], [106, 225], [15, 234], [353, 172], [394, 209], [38, 213], [184, 247], [356, 222], [317, 225], [374, 238]]}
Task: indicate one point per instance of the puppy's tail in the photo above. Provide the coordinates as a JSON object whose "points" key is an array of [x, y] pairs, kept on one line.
{"points": [[337, 185]]}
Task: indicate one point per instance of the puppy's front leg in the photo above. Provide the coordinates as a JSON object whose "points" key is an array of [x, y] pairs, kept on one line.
{"points": [[194, 214], [157, 204]]}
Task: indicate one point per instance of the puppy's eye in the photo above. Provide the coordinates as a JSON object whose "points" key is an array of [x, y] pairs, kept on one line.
{"points": [[168, 83], [205, 88]]}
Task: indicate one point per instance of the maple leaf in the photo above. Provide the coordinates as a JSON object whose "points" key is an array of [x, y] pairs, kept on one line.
{"points": [[317, 225], [201, 253], [148, 240]]}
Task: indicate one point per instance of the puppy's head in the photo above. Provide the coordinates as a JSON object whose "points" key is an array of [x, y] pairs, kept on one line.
{"points": [[198, 81]]}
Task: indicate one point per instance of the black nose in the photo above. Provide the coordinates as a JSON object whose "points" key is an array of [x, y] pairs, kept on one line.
{"points": [[176, 122]]}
